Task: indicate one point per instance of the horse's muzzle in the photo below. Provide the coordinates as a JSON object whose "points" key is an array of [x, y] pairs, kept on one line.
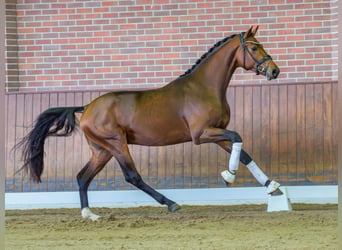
{"points": [[272, 73]]}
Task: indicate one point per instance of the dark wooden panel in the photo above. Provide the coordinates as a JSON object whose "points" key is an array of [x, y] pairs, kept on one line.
{"points": [[20, 132], [265, 131], [310, 131], [292, 132], [289, 130], [283, 136], [257, 144], [11, 155], [318, 133], [187, 165], [301, 131], [328, 156]]}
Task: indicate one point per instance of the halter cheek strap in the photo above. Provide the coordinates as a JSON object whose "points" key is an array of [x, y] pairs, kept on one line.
{"points": [[259, 64]]}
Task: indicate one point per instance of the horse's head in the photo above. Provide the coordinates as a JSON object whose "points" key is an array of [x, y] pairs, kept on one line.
{"points": [[254, 57]]}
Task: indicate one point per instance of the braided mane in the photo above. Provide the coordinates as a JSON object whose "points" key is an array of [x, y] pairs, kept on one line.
{"points": [[205, 55]]}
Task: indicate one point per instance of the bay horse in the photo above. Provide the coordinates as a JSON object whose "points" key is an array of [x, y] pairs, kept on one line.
{"points": [[192, 107]]}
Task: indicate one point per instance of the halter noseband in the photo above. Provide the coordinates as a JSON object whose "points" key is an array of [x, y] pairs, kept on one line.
{"points": [[259, 64]]}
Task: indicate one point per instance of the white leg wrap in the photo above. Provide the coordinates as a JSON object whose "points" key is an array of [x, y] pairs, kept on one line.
{"points": [[228, 176], [257, 173], [87, 214], [233, 165], [235, 157]]}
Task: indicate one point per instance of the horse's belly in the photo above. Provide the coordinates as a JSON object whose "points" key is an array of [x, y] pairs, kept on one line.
{"points": [[156, 134]]}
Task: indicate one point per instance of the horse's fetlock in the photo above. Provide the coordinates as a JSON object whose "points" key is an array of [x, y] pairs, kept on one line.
{"points": [[236, 138]]}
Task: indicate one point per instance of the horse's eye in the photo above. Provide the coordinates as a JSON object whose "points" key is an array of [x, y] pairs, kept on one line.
{"points": [[254, 49]]}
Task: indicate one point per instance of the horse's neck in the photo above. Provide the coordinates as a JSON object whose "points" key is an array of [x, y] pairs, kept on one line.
{"points": [[217, 70]]}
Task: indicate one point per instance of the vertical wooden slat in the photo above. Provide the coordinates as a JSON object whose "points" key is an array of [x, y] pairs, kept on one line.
{"points": [[283, 135], [20, 133], [257, 144], [292, 132], [265, 131], [144, 162], [196, 166], [327, 133], [161, 157], [170, 166], [319, 131], [310, 131], [301, 132], [187, 164], [12, 157], [153, 166], [274, 131], [213, 168], [179, 165], [204, 165]]}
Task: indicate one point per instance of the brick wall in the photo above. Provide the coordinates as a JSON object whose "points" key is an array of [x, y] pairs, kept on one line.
{"points": [[70, 44]]}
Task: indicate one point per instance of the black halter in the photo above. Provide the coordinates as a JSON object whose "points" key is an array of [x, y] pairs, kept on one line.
{"points": [[259, 64]]}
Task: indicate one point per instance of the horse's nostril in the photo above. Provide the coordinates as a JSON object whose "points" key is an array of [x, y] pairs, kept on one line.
{"points": [[275, 73]]}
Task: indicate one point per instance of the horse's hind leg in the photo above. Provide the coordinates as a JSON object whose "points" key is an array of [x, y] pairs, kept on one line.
{"points": [[97, 162], [260, 176], [132, 176]]}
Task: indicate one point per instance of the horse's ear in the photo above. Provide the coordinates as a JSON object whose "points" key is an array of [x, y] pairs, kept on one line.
{"points": [[255, 30], [249, 32]]}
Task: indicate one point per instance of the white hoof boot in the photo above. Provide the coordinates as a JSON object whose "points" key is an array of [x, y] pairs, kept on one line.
{"points": [[273, 186], [87, 214], [228, 176]]}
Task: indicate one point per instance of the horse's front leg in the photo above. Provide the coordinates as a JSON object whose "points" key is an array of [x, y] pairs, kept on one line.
{"points": [[232, 138], [231, 142], [228, 175]]}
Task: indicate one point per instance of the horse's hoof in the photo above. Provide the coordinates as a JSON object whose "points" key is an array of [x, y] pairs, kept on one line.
{"points": [[276, 192], [273, 188], [88, 215], [174, 207]]}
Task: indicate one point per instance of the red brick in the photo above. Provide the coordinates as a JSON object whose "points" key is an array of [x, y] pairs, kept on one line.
{"points": [[313, 24], [102, 70], [67, 11]]}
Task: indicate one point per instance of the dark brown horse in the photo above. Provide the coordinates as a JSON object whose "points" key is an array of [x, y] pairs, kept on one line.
{"points": [[193, 107]]}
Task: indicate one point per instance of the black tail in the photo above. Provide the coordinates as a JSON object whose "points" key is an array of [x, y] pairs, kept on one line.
{"points": [[48, 123]]}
